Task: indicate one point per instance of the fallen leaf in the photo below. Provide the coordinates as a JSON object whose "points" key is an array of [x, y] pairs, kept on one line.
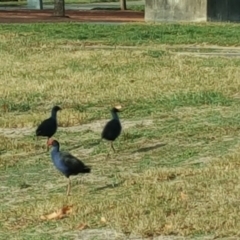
{"points": [[103, 220], [67, 209], [54, 215], [168, 226], [82, 226], [59, 214], [184, 196]]}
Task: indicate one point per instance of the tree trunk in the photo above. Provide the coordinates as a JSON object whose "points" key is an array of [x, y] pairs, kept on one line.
{"points": [[123, 4], [59, 8]]}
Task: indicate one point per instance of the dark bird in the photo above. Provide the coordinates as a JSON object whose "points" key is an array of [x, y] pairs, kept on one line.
{"points": [[48, 127], [113, 128], [66, 163]]}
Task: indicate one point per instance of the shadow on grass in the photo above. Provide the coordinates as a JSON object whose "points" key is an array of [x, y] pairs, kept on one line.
{"points": [[89, 145], [108, 186], [74, 147], [146, 149]]}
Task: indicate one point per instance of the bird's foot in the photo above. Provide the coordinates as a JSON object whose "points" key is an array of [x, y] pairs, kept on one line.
{"points": [[108, 156], [114, 184]]}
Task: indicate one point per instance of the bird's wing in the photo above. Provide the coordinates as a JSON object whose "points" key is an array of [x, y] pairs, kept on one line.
{"points": [[44, 126], [111, 127], [70, 161]]}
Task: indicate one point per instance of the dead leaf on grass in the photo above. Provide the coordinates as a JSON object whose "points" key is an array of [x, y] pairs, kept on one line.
{"points": [[184, 196], [67, 209], [82, 226], [59, 214], [103, 220], [168, 226]]}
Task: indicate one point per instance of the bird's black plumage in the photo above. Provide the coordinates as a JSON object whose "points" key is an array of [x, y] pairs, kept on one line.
{"points": [[48, 127], [73, 166], [66, 163], [113, 128]]}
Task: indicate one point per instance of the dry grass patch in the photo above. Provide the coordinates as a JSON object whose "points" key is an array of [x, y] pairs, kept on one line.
{"points": [[86, 83]]}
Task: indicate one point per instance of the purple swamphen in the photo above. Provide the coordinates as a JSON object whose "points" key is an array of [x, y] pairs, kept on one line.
{"points": [[113, 128], [48, 127], [66, 163]]}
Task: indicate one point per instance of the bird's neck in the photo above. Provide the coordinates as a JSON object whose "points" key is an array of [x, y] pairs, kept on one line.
{"points": [[54, 150], [54, 114], [114, 115]]}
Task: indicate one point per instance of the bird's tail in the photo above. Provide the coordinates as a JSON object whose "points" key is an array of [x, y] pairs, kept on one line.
{"points": [[87, 169]]}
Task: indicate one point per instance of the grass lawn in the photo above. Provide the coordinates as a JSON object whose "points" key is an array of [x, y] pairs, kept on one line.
{"points": [[126, 35], [176, 169]]}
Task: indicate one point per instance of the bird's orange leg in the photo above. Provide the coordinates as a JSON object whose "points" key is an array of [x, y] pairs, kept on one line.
{"points": [[69, 187], [112, 146], [47, 144]]}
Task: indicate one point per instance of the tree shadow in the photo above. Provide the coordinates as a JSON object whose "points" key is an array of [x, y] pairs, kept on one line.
{"points": [[146, 149]]}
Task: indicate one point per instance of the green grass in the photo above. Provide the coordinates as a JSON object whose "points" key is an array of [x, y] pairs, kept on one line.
{"points": [[131, 34], [176, 169]]}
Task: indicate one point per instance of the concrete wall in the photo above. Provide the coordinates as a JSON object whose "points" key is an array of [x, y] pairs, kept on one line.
{"points": [[192, 10], [175, 10]]}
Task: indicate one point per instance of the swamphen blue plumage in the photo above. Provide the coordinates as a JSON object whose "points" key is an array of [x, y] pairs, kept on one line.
{"points": [[66, 163], [48, 127], [113, 128]]}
